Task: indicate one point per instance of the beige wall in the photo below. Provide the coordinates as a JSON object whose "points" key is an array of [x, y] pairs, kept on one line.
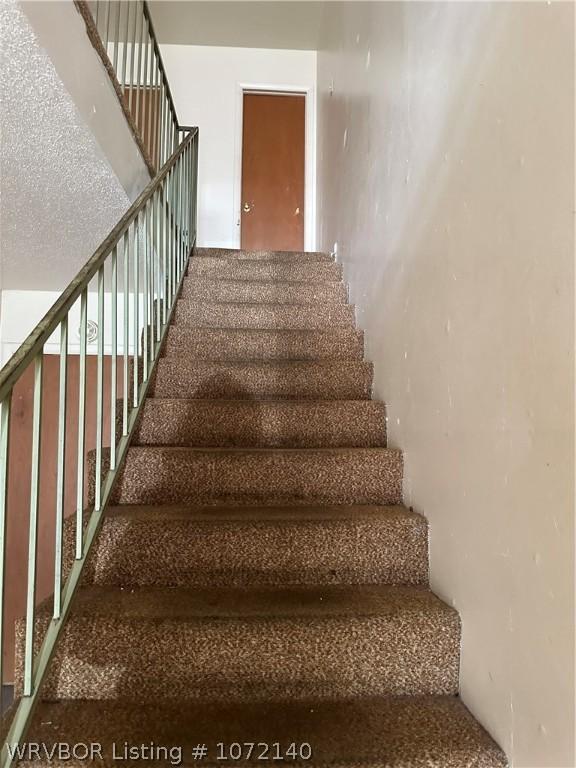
{"points": [[213, 102], [446, 178]]}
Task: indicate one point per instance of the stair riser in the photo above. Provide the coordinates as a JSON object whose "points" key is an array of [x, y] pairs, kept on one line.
{"points": [[197, 379], [255, 659], [390, 732], [179, 552], [283, 316], [262, 425], [229, 269], [282, 256], [221, 344], [201, 289], [182, 476]]}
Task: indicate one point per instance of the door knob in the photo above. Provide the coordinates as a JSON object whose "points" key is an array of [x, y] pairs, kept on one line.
{"points": [[247, 207]]}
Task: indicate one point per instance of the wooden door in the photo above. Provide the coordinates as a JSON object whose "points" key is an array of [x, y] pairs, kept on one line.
{"points": [[272, 201]]}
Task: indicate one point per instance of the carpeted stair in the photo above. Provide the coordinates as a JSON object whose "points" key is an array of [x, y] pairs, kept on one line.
{"points": [[257, 578]]}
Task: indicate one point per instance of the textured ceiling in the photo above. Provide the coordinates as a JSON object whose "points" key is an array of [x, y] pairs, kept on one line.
{"points": [[59, 197], [292, 25]]}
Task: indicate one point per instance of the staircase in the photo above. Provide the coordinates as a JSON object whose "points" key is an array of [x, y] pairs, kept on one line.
{"points": [[257, 578]]}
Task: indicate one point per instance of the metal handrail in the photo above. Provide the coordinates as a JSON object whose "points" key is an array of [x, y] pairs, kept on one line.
{"points": [[123, 35], [148, 249]]}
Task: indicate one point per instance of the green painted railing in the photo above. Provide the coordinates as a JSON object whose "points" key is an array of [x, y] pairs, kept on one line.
{"points": [[136, 274], [123, 35]]}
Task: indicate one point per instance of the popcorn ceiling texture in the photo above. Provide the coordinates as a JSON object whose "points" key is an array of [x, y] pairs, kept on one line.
{"points": [[59, 196]]}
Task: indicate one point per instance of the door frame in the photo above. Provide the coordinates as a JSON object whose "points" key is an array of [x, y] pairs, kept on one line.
{"points": [[309, 154]]}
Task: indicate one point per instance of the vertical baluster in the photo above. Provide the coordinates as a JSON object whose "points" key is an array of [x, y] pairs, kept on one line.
{"points": [[167, 147], [155, 115], [157, 196], [180, 191], [5, 408], [136, 319], [184, 236], [33, 525], [193, 179], [107, 28], [99, 391], [81, 424], [153, 303], [149, 110], [161, 123], [61, 466], [145, 297], [139, 75], [191, 184], [187, 198], [176, 248], [117, 37], [152, 275], [145, 89], [113, 353], [126, 339], [184, 207], [176, 223], [132, 60], [163, 230], [125, 49], [173, 230], [195, 201], [168, 216], [150, 254], [192, 194]]}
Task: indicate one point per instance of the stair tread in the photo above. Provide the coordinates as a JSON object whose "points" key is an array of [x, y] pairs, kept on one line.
{"points": [[208, 278], [337, 330], [259, 255], [231, 451], [272, 306], [198, 313], [387, 732], [268, 364], [186, 376], [269, 402], [294, 602], [248, 255], [269, 514]]}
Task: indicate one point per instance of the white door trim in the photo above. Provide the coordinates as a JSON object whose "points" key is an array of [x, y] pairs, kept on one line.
{"points": [[309, 155]]}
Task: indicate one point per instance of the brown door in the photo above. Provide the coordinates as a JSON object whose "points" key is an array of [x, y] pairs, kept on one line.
{"points": [[273, 172]]}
